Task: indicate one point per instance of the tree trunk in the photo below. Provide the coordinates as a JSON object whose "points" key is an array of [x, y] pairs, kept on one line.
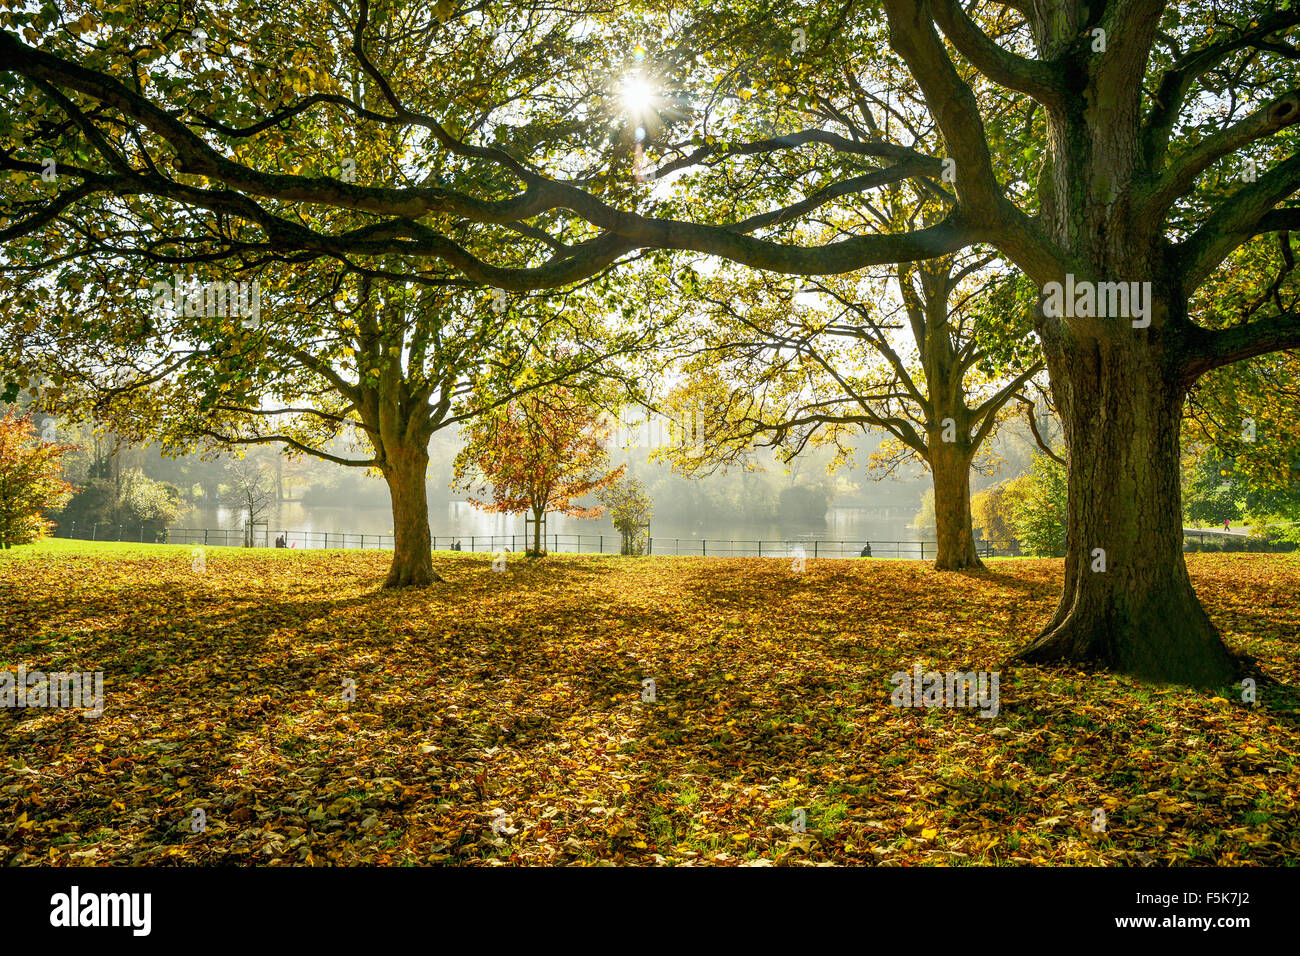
{"points": [[405, 470], [952, 516], [537, 533], [1128, 604]]}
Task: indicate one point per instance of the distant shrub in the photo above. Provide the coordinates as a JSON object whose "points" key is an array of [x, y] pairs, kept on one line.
{"points": [[144, 503], [1239, 545]]}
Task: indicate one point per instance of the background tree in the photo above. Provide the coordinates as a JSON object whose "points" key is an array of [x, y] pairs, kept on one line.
{"points": [[630, 508], [1219, 488], [538, 453], [30, 480], [249, 491], [1038, 508], [930, 353], [991, 513]]}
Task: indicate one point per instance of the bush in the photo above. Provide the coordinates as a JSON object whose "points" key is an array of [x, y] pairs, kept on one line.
{"points": [[1237, 546], [1276, 530]]}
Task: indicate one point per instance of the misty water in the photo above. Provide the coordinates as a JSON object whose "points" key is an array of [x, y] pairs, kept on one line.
{"points": [[307, 526]]}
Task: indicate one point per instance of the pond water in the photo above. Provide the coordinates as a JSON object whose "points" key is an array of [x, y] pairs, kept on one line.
{"points": [[307, 526]]}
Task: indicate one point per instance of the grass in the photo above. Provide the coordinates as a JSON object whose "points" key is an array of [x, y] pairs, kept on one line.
{"points": [[500, 718]]}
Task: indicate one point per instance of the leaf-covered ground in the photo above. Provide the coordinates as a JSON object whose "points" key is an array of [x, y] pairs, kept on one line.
{"points": [[498, 718]]}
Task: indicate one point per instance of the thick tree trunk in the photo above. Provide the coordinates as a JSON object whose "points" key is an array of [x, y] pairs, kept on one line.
{"points": [[952, 516], [405, 470], [1128, 604], [537, 533]]}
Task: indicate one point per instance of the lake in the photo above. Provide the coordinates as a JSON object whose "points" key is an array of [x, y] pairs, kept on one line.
{"points": [[335, 527]]}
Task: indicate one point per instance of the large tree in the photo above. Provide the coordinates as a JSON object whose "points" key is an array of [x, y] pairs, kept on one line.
{"points": [[357, 359], [355, 370], [903, 352], [1164, 136]]}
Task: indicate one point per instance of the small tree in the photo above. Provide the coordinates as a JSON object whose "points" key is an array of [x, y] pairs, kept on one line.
{"points": [[992, 513], [539, 454], [630, 507], [31, 481], [1039, 508], [249, 491]]}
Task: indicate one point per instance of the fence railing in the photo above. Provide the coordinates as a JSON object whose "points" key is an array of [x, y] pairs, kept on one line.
{"points": [[571, 543], [1214, 534], [715, 547]]}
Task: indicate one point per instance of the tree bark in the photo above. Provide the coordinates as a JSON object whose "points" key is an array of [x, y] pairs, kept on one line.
{"points": [[537, 533], [1128, 604], [404, 470], [950, 467]]}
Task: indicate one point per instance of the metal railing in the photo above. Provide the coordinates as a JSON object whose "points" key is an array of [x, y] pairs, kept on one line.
{"points": [[571, 543]]}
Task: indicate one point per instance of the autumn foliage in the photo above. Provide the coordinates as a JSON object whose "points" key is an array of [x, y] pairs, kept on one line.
{"points": [[540, 454], [505, 719], [30, 481]]}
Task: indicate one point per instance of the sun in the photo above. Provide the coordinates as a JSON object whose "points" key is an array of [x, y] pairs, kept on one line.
{"points": [[638, 96]]}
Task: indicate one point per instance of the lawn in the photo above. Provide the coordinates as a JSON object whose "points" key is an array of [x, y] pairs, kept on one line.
{"points": [[499, 718]]}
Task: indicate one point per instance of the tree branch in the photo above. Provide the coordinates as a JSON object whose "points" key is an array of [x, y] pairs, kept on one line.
{"points": [[1040, 80], [1208, 349], [1181, 175]]}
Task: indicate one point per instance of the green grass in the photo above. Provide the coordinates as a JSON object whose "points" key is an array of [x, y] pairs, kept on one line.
{"points": [[61, 547], [133, 549]]}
